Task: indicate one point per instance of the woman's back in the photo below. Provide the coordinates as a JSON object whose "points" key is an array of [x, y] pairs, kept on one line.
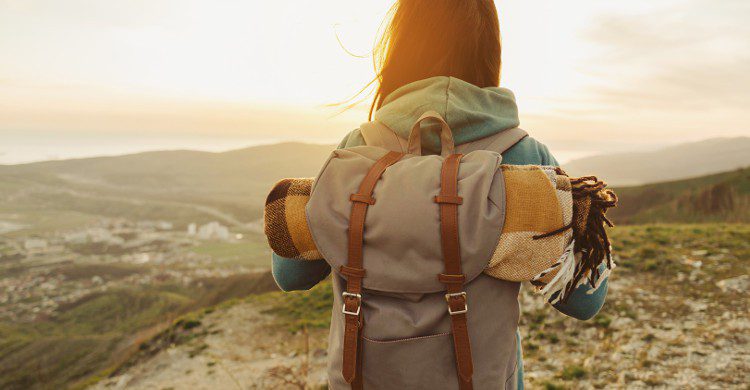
{"points": [[441, 56]]}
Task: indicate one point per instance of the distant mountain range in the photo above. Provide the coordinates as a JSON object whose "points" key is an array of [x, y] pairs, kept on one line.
{"points": [[676, 162], [179, 186], [190, 186]]}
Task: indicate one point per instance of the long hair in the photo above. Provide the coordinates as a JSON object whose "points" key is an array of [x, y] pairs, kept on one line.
{"points": [[427, 38]]}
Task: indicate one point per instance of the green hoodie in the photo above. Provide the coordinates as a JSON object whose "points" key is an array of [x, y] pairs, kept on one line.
{"points": [[472, 113]]}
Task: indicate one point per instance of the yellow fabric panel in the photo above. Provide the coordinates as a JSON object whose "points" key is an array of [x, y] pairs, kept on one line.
{"points": [[518, 258], [298, 229], [531, 201]]}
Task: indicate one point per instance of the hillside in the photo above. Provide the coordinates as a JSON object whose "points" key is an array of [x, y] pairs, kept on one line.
{"points": [[674, 318], [178, 186], [723, 197], [191, 186], [676, 162]]}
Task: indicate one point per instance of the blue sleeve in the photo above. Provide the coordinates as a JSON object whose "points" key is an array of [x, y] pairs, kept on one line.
{"points": [[293, 274], [581, 305]]}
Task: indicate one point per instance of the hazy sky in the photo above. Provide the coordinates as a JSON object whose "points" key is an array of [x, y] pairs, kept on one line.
{"points": [[89, 77]]}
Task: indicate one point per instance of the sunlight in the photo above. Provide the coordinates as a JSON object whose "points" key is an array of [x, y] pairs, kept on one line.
{"points": [[578, 68]]}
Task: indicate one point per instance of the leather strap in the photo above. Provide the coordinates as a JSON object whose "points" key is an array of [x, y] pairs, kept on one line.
{"points": [[453, 278], [353, 320]]}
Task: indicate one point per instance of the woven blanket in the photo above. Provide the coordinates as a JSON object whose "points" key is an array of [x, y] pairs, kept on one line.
{"points": [[554, 232]]}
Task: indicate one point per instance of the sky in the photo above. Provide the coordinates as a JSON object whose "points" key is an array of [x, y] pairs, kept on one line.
{"points": [[98, 77]]}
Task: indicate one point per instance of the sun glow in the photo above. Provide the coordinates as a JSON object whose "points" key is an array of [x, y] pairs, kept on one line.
{"points": [[229, 68]]}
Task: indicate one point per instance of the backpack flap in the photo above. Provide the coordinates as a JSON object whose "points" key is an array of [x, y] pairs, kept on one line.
{"points": [[402, 250]]}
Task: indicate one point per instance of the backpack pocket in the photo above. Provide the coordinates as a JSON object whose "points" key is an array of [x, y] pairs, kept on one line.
{"points": [[424, 362]]}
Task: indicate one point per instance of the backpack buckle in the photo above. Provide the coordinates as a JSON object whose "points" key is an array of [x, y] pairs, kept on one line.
{"points": [[461, 295], [359, 303]]}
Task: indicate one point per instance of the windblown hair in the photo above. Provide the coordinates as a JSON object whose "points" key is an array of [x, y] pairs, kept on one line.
{"points": [[427, 38]]}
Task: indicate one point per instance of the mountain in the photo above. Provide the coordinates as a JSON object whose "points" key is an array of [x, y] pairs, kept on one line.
{"points": [[190, 186], [180, 186], [723, 197], [676, 162]]}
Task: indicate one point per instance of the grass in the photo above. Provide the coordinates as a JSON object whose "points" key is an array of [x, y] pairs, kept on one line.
{"points": [[573, 372], [251, 251], [300, 309], [715, 198], [106, 271]]}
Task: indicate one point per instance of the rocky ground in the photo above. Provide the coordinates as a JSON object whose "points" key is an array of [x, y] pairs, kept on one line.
{"points": [[237, 347], [676, 317]]}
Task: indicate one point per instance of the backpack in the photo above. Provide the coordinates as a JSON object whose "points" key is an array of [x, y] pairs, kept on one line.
{"points": [[408, 237]]}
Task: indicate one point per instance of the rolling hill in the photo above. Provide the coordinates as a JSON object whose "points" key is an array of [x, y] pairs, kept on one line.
{"points": [[723, 197], [676, 162], [191, 186], [179, 186]]}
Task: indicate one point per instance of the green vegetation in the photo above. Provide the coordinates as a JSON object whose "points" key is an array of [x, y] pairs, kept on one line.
{"points": [[573, 372], [552, 386], [178, 186], [252, 251], [90, 338], [299, 309], [723, 197], [105, 271]]}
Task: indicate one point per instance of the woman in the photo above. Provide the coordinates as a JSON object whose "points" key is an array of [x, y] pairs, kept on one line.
{"points": [[444, 56]]}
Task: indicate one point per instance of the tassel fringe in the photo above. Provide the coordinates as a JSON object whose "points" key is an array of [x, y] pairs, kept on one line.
{"points": [[590, 247]]}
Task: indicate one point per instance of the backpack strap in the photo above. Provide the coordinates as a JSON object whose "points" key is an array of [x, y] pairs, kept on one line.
{"points": [[453, 278], [377, 134], [507, 139], [354, 272], [499, 142]]}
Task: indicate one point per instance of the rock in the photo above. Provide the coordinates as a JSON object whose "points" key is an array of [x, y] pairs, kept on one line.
{"points": [[696, 305], [123, 381], [736, 284], [692, 263], [701, 252], [695, 275], [621, 323], [320, 353]]}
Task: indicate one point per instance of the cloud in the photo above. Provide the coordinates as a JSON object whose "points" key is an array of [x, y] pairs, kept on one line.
{"points": [[694, 55]]}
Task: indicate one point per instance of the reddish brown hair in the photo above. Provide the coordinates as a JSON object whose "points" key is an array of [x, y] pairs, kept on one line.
{"points": [[427, 38]]}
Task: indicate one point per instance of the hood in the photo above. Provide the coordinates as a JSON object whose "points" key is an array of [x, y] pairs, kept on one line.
{"points": [[471, 112]]}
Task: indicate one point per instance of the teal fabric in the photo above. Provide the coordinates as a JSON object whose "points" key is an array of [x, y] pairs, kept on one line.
{"points": [[583, 303], [472, 113], [293, 274]]}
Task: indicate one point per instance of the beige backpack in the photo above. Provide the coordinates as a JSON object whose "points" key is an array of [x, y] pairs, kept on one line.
{"points": [[408, 237]]}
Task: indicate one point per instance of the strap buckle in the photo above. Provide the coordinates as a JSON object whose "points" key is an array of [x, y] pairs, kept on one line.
{"points": [[461, 294], [359, 303]]}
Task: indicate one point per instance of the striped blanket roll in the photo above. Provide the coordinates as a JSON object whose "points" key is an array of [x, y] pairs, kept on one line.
{"points": [[533, 245]]}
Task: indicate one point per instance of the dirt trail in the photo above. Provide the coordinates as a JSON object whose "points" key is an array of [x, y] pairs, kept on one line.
{"points": [[242, 350]]}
